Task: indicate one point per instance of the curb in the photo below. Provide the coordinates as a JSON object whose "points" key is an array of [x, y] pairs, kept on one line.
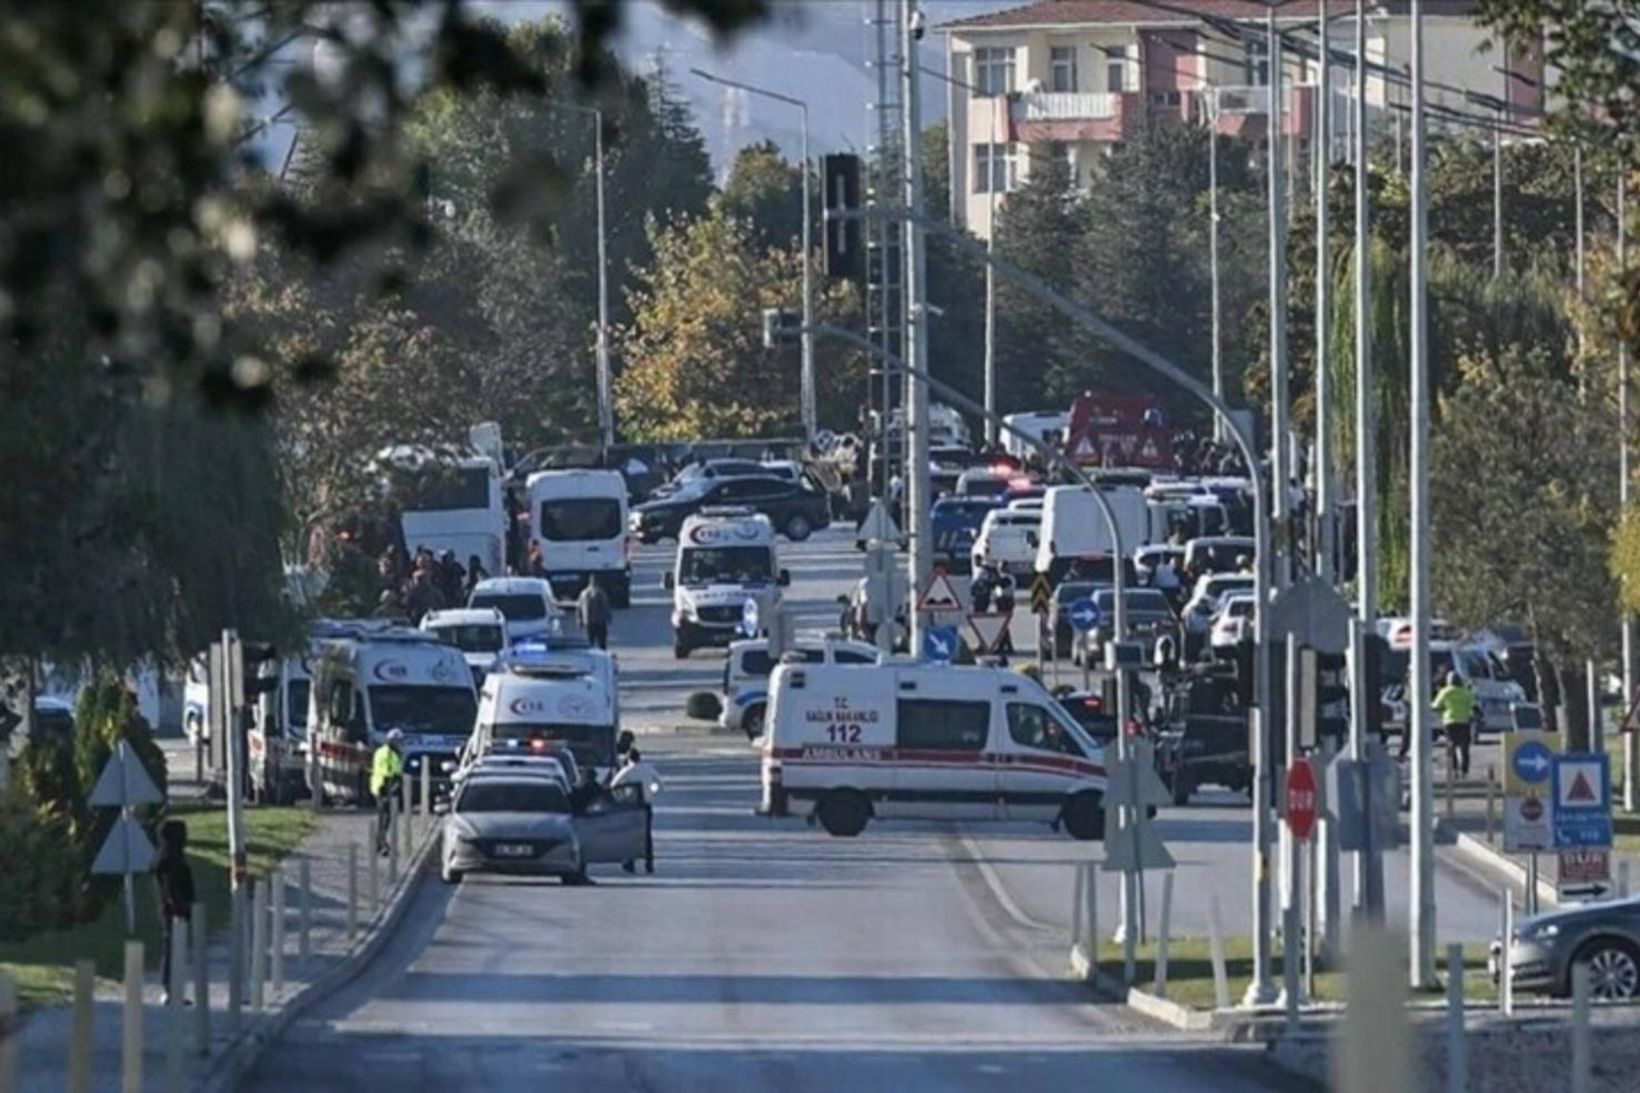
{"points": [[1179, 1016], [1482, 856], [225, 1070]]}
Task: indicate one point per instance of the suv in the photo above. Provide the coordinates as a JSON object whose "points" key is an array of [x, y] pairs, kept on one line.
{"points": [[794, 508]]}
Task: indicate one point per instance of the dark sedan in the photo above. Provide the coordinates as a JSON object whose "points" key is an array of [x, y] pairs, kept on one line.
{"points": [[795, 509], [1604, 935]]}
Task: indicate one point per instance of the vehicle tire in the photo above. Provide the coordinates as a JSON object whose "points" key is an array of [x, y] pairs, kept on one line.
{"points": [[798, 528], [702, 706], [753, 721], [1183, 786], [1614, 969], [843, 813], [1084, 817]]}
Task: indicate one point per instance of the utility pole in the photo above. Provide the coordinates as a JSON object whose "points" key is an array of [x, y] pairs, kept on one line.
{"points": [[1631, 742], [1323, 298], [1279, 507], [1213, 253], [991, 104], [1366, 467], [1422, 930], [606, 390], [916, 329], [806, 390]]}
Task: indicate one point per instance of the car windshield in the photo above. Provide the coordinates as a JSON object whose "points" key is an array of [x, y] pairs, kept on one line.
{"points": [[443, 711], [576, 518], [514, 606], [592, 745], [726, 565], [296, 704], [956, 509], [985, 487], [1144, 600], [446, 489], [1071, 591], [535, 795], [475, 637]]}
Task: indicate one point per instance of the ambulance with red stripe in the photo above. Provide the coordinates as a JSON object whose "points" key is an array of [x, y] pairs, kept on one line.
{"points": [[847, 745], [370, 680]]}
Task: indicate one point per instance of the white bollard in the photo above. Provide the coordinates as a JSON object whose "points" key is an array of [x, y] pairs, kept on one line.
{"points": [[81, 1042], [259, 941], [1623, 879], [9, 1033], [375, 881], [1374, 1055], [426, 789], [304, 913], [1457, 1043], [1581, 1077], [236, 955], [393, 854], [202, 982], [1077, 903], [1163, 929], [1506, 984], [176, 1032], [277, 880], [405, 841], [1215, 943], [352, 891], [131, 1024], [1091, 892]]}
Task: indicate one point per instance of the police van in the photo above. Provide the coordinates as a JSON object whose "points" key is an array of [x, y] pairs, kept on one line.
{"points": [[558, 692], [368, 680], [747, 667], [726, 556], [846, 745]]}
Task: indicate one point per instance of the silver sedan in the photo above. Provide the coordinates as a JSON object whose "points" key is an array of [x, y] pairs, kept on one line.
{"points": [[1604, 935], [509, 822]]}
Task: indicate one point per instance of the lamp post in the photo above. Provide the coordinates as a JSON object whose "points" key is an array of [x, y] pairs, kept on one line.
{"points": [[606, 393], [806, 381]]}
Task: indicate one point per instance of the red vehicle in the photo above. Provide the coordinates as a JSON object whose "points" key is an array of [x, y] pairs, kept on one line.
{"points": [[1111, 430]]}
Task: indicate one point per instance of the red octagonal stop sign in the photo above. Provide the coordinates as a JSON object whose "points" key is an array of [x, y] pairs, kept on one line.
{"points": [[1301, 799]]}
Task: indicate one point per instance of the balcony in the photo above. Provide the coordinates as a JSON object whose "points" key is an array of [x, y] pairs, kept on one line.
{"points": [[1068, 117], [1244, 111]]}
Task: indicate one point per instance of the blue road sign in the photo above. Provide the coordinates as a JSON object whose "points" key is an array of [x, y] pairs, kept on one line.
{"points": [[1533, 762], [748, 617], [1084, 615], [940, 644], [1582, 800]]}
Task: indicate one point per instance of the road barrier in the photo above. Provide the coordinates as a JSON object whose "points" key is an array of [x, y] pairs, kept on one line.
{"points": [[1457, 1041], [1506, 985], [1163, 929], [1581, 1074], [131, 1021], [1215, 944]]}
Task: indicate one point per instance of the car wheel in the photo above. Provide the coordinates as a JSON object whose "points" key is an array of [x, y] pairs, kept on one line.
{"points": [[798, 528], [843, 813], [1614, 969], [1084, 817], [753, 722]]}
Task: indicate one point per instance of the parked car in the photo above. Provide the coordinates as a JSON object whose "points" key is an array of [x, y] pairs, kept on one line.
{"points": [[794, 508], [1603, 935]]}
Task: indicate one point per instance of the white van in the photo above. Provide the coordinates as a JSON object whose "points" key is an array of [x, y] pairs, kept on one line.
{"points": [[276, 743], [927, 742], [1010, 536], [747, 667], [1036, 424], [1074, 527], [372, 679], [479, 632], [579, 520], [559, 692], [726, 556], [1476, 665]]}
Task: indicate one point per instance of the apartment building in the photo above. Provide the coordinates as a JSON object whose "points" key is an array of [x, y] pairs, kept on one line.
{"points": [[1082, 75]]}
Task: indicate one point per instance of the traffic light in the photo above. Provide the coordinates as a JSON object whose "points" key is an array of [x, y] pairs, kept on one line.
{"points": [[780, 327], [1324, 695], [845, 255], [253, 654], [1375, 651]]}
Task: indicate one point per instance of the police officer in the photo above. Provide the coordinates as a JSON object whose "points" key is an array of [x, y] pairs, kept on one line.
{"points": [[1456, 703], [386, 770]]}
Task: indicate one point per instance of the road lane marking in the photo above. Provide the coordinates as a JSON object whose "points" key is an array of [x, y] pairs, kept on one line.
{"points": [[998, 890]]}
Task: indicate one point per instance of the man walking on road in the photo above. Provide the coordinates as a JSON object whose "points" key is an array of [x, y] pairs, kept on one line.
{"points": [[648, 780], [175, 879], [386, 768], [1456, 703], [592, 611]]}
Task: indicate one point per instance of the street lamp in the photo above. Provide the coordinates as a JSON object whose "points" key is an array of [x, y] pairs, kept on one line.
{"points": [[606, 394], [806, 382]]}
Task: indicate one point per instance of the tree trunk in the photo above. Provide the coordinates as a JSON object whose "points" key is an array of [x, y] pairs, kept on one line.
{"points": [[1548, 690], [1575, 701]]}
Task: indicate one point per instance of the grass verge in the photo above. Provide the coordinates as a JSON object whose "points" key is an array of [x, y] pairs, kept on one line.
{"points": [[43, 965], [1190, 971]]}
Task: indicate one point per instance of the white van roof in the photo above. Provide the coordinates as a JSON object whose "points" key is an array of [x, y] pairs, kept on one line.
{"points": [[717, 527], [463, 616], [420, 660], [563, 688], [577, 482]]}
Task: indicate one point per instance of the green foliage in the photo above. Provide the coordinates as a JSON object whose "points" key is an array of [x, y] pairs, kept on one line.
{"points": [[1624, 560], [767, 192], [43, 872], [106, 714]]}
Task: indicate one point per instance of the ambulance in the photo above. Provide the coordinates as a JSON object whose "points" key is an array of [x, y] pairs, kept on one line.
{"points": [[559, 692], [276, 743], [726, 556], [903, 740], [368, 680]]}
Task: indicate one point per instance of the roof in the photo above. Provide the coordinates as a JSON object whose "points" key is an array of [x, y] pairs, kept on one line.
{"points": [[1046, 13]]}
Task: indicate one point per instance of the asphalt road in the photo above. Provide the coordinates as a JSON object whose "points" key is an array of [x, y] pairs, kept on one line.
{"points": [[762, 955]]}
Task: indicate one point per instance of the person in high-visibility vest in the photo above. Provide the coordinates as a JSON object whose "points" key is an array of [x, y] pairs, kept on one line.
{"points": [[1456, 703], [386, 768]]}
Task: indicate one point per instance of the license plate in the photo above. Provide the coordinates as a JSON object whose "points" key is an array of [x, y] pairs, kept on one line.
{"points": [[513, 850]]}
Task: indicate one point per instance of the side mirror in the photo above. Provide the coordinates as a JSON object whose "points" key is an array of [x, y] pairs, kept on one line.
{"points": [[784, 579], [668, 581]]}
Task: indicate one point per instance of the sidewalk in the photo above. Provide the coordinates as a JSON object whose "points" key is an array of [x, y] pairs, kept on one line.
{"points": [[45, 1034]]}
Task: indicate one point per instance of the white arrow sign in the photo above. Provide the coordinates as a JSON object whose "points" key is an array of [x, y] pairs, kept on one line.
{"points": [[124, 782]]}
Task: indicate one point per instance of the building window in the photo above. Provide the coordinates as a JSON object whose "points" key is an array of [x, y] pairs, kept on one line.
{"points": [[1062, 68], [1116, 68], [995, 168], [994, 70], [1256, 63]]}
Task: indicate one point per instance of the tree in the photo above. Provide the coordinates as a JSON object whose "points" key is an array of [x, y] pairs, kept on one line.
{"points": [[695, 361], [767, 192]]}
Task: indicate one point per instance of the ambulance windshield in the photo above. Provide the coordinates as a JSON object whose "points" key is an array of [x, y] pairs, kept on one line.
{"points": [[442, 711], [726, 565]]}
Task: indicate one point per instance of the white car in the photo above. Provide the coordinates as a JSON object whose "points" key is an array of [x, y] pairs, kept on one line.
{"points": [[1008, 536], [1232, 623], [479, 632], [526, 602], [1204, 601]]}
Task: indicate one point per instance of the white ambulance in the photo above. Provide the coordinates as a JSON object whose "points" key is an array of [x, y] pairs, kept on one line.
{"points": [[558, 692], [906, 740], [726, 556], [370, 680]]}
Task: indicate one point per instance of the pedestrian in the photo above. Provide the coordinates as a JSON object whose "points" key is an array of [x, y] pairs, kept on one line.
{"points": [[592, 612], [534, 564], [174, 879], [979, 590], [391, 606], [1457, 703], [386, 771], [634, 771], [475, 573], [423, 595], [450, 578]]}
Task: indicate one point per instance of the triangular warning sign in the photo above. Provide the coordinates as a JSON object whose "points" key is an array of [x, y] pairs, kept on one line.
{"points": [[878, 526], [124, 782], [1581, 789], [986, 630], [940, 595], [1084, 448]]}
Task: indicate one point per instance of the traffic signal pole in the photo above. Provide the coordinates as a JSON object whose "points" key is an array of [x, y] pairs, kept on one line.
{"points": [[919, 522]]}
